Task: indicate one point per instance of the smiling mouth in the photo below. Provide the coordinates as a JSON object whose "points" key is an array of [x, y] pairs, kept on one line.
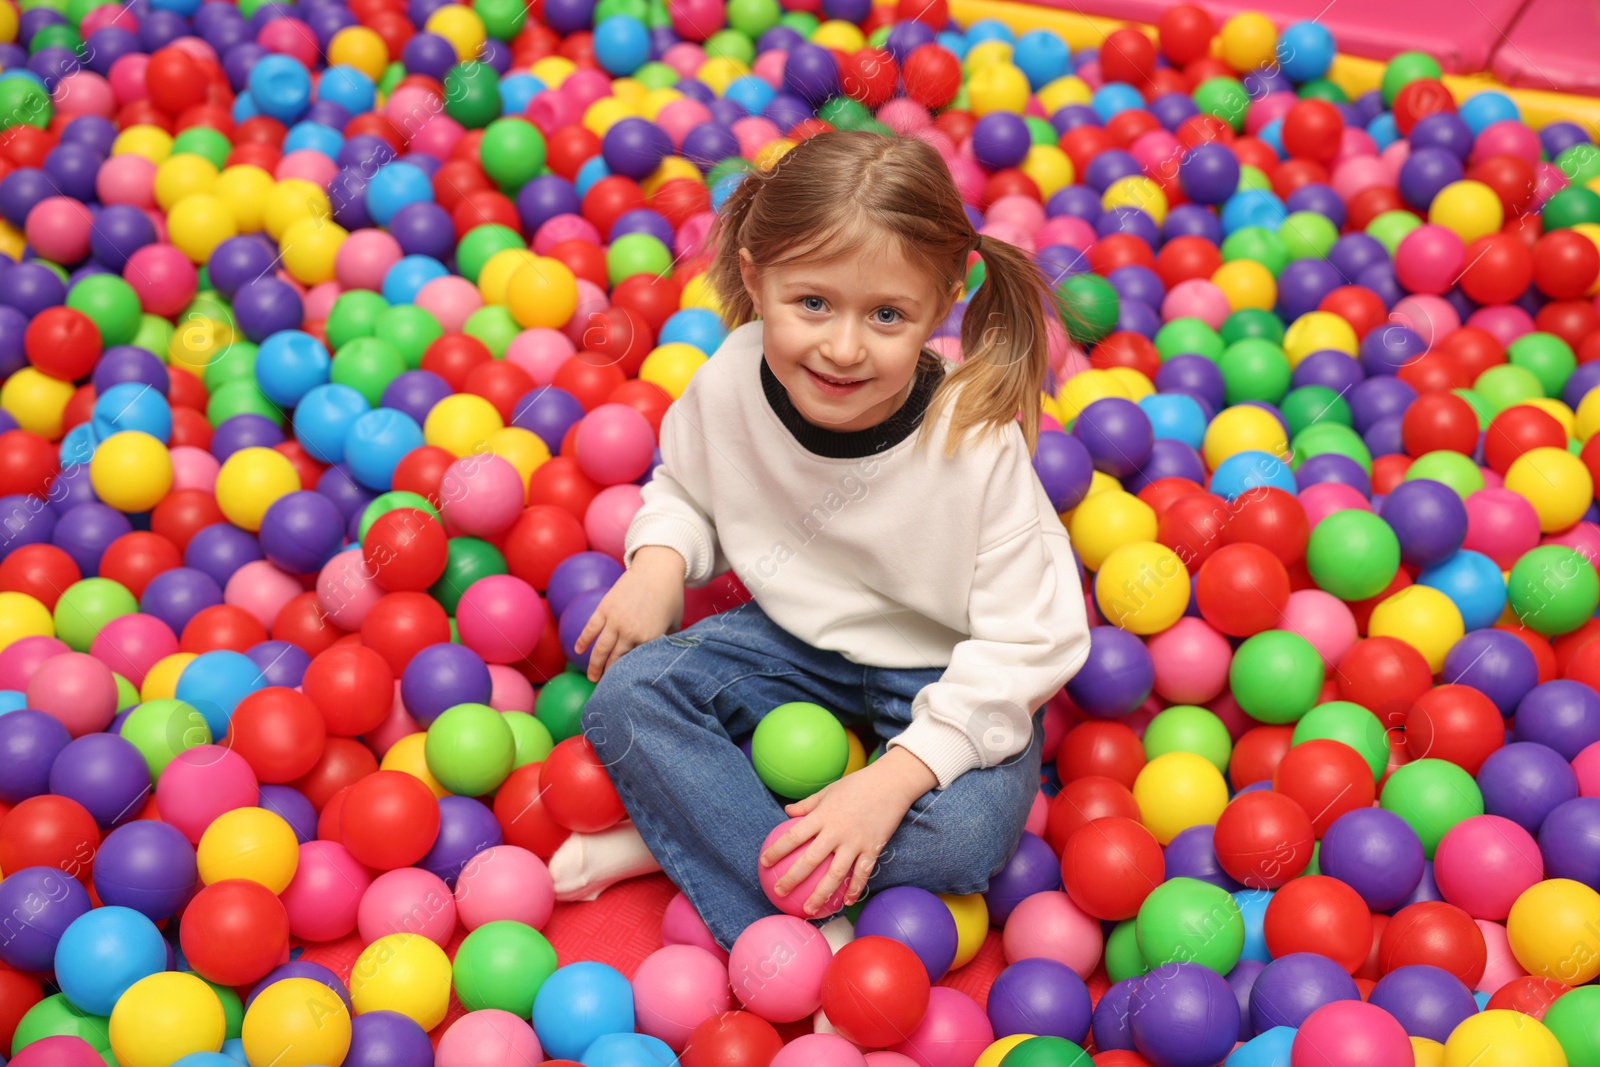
{"points": [[836, 381]]}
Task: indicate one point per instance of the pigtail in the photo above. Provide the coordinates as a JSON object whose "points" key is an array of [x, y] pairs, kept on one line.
{"points": [[724, 274]]}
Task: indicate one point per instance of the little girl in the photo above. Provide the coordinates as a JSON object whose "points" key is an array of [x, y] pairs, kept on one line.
{"points": [[906, 568]]}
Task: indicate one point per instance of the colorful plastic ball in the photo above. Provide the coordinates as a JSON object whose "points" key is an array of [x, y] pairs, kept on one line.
{"points": [[1431, 796], [875, 992], [1142, 587], [1555, 482], [1038, 997], [482, 495], [470, 749], [1375, 853], [1524, 782], [249, 843], [1424, 617], [1179, 790], [1501, 1038], [105, 774], [165, 1017], [796, 901], [250, 481], [504, 883], [1184, 1014], [235, 932], [403, 973], [298, 1022], [105, 952], [389, 820], [584, 1001], [1348, 1033], [1553, 589], [915, 918], [1483, 864], [131, 471], [501, 618], [1110, 866], [1189, 920]]}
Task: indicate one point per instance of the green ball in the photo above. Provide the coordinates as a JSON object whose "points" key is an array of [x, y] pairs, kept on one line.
{"points": [[86, 606], [1391, 227], [1544, 355], [502, 19], [1431, 795], [798, 748], [1580, 163], [204, 142], [1315, 866], [1223, 98], [1252, 178], [1574, 1019], [656, 75], [1570, 206], [479, 244], [1276, 676], [1350, 724], [1312, 405], [470, 749], [472, 94], [1352, 554], [843, 113], [802, 22], [241, 397], [1047, 1052], [753, 17], [1185, 920], [232, 1009], [494, 326], [23, 102], [161, 729], [724, 167], [1122, 953], [633, 9], [409, 329], [236, 364], [154, 336], [1325, 437], [1508, 385], [367, 365], [1258, 244], [1089, 307], [57, 36], [56, 1016], [1188, 337], [637, 253], [394, 498], [353, 315], [393, 75], [560, 702], [1450, 468], [501, 965], [209, 305], [533, 741], [1323, 89], [111, 304], [729, 44], [1251, 323], [127, 695], [1308, 235], [466, 560], [1186, 728], [1553, 590], [1040, 131], [513, 152], [1405, 68], [1254, 370]]}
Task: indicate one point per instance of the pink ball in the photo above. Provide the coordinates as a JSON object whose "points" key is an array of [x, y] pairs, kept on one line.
{"points": [[290, 37], [1586, 765], [324, 897], [1584, 538], [1361, 172], [551, 111], [201, 783], [605, 521], [107, 15], [438, 136], [1038, 816], [754, 133], [1325, 498], [196, 48], [1050, 926], [306, 164], [406, 105], [364, 258], [1191, 661], [692, 236], [1353, 144], [1431, 317], [592, 300], [586, 86], [127, 77], [488, 1038], [1501, 525], [22, 657], [769, 66], [505, 883], [561, 228], [163, 279], [1196, 298], [1429, 259], [969, 178], [676, 989], [501, 618], [482, 494], [819, 1050], [682, 925], [319, 300], [1268, 107], [261, 589], [1484, 863], [83, 92], [399, 724], [615, 444], [409, 900], [541, 352], [1157, 151], [346, 591], [1502, 966], [59, 1051], [1393, 157], [128, 179], [904, 116], [953, 1033], [194, 468], [131, 644], [685, 58], [776, 968], [795, 902], [681, 116], [1506, 322], [1019, 212], [1322, 619], [509, 690], [77, 689], [889, 1059], [451, 299], [1508, 137], [58, 229], [1351, 1033]]}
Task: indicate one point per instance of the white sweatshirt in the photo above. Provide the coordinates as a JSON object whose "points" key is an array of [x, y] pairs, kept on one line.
{"points": [[892, 556]]}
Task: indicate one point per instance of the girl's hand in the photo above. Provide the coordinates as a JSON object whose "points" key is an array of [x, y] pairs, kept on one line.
{"points": [[645, 603], [853, 818]]}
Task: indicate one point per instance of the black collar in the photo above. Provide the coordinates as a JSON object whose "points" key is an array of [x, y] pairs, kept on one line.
{"points": [[856, 444]]}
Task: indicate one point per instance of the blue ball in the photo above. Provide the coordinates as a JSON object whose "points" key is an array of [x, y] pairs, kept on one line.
{"points": [[750, 93], [1472, 582], [1114, 99], [289, 365], [213, 684], [323, 420], [406, 278], [1178, 416], [211, 1059], [315, 137], [1244, 471], [989, 30], [348, 87], [393, 187], [1305, 51], [1481, 110], [1252, 207], [629, 1050], [377, 442], [1270, 1049], [697, 327], [621, 44], [104, 952], [1042, 56], [132, 406], [1253, 907], [579, 1004], [518, 90], [280, 87], [594, 168]]}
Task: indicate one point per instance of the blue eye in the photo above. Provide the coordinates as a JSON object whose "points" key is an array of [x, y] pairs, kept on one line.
{"points": [[812, 303], [894, 316]]}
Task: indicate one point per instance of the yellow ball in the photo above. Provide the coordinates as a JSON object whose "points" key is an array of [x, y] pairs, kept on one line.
{"points": [[1083, 389], [1142, 587], [767, 155], [461, 26], [1246, 284], [164, 1017], [858, 752], [37, 401], [1178, 790], [995, 1054], [1555, 482], [151, 142], [309, 247], [361, 48], [12, 240], [543, 292], [9, 21], [655, 100], [1068, 89], [671, 169], [183, 175], [251, 481], [23, 616], [523, 449], [553, 70], [1136, 191], [1106, 521], [1554, 931], [1556, 410], [1249, 42], [1049, 167], [1592, 232], [1135, 385], [698, 293], [161, 680], [200, 343], [407, 757], [719, 72], [460, 423], [1242, 429], [1502, 1038], [985, 54], [837, 33], [495, 277], [131, 471], [971, 913], [244, 189], [998, 87], [253, 844], [296, 1022], [289, 201], [670, 366], [406, 973], [197, 224], [1471, 209], [1588, 415], [1422, 617], [629, 90], [1428, 1053], [1315, 331]]}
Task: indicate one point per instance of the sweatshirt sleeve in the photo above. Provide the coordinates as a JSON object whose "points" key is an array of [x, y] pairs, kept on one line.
{"points": [[1029, 635], [672, 515]]}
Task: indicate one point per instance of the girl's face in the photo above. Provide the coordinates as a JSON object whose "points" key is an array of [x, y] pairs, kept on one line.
{"points": [[844, 335]]}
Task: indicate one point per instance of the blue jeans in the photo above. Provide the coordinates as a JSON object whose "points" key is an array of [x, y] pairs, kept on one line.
{"points": [[663, 720]]}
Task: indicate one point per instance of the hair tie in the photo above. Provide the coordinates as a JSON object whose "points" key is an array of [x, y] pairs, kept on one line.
{"points": [[978, 245]]}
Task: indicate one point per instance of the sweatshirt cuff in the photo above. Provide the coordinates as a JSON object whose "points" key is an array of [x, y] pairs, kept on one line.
{"points": [[947, 750], [675, 533]]}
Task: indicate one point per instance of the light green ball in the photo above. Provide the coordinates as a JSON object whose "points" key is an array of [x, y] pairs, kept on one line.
{"points": [[85, 608], [799, 748], [470, 749], [532, 741], [501, 965], [161, 729], [1186, 728]]}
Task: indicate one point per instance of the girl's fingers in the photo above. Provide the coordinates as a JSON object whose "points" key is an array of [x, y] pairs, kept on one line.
{"points": [[602, 648], [838, 871], [796, 835], [595, 624], [805, 863], [858, 877]]}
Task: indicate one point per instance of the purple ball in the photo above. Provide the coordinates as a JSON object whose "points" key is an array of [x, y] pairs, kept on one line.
{"points": [[126, 363], [30, 287], [13, 325], [148, 866], [1379, 398], [1303, 284], [811, 73], [1242, 980], [218, 550], [118, 232], [1193, 854], [1195, 375], [1524, 782], [1169, 458], [1332, 467], [107, 45], [339, 485], [1001, 139], [415, 393], [549, 413], [635, 147], [1425, 172], [1111, 166], [1384, 437], [388, 1039], [1430, 521], [1562, 714], [178, 595], [1355, 252], [441, 676], [545, 197], [1291, 987], [428, 53], [1111, 1017], [466, 827], [21, 190], [348, 195], [645, 221], [27, 521], [424, 228], [105, 774], [571, 622], [1032, 868], [1192, 220], [86, 531], [1135, 316], [1041, 998], [1076, 201], [292, 806], [1583, 379], [917, 919], [247, 430], [1385, 351], [30, 741], [1322, 200], [281, 663], [1129, 220], [71, 489], [265, 306], [300, 969], [1137, 283], [301, 531], [1209, 173], [1064, 467], [1328, 368], [1116, 678], [40, 903], [579, 573], [1427, 889], [1428, 1001], [1560, 136], [703, 146], [1117, 435], [906, 37], [1376, 853], [1498, 665], [1184, 1015], [1172, 110], [238, 261]]}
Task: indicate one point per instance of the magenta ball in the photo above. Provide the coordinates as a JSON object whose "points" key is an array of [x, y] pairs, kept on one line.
{"points": [[22, 658], [819, 1050], [482, 495], [1351, 1033], [500, 618], [794, 902], [202, 783], [324, 898], [953, 1033], [162, 278], [1484, 863], [77, 689], [1429, 259], [131, 644], [58, 229], [615, 444], [61, 1051]]}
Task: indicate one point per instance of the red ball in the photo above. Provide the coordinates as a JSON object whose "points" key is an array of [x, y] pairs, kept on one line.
{"points": [[934, 14], [653, 300], [1263, 839], [560, 482], [1162, 493], [1369, 203], [174, 80], [681, 199], [1326, 778], [868, 75], [1272, 519], [183, 513], [1110, 865], [308, 469], [1512, 180], [453, 356], [1363, 309], [1242, 589], [569, 148], [875, 991], [1127, 56], [520, 811], [1083, 143], [455, 181], [539, 540], [485, 207], [1257, 753], [1439, 422], [647, 398], [135, 558], [403, 624], [18, 993], [234, 932], [1529, 994], [353, 687], [279, 732], [1565, 264], [1455, 723], [1570, 320], [63, 343], [1185, 33], [578, 791], [1192, 527], [1434, 934], [1125, 349], [1128, 126], [736, 1038], [222, 626], [1103, 748], [345, 761], [390, 820], [28, 464], [1081, 802], [421, 471], [610, 198], [1519, 429], [1120, 250], [1185, 259], [932, 76], [41, 571], [1498, 269], [1417, 100], [1312, 129], [590, 378], [1295, 174], [1319, 914], [405, 549], [585, 259], [302, 623], [501, 384], [622, 334], [49, 831]]}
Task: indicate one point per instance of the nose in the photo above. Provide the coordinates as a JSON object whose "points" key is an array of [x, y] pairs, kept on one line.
{"points": [[844, 347]]}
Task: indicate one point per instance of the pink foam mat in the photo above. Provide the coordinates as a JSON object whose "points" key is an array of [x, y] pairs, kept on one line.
{"points": [[1552, 46]]}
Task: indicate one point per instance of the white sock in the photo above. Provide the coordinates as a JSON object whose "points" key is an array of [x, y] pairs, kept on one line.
{"points": [[838, 932], [588, 864]]}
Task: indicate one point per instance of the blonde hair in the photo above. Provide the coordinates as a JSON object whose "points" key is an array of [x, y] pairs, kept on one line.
{"points": [[835, 193]]}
